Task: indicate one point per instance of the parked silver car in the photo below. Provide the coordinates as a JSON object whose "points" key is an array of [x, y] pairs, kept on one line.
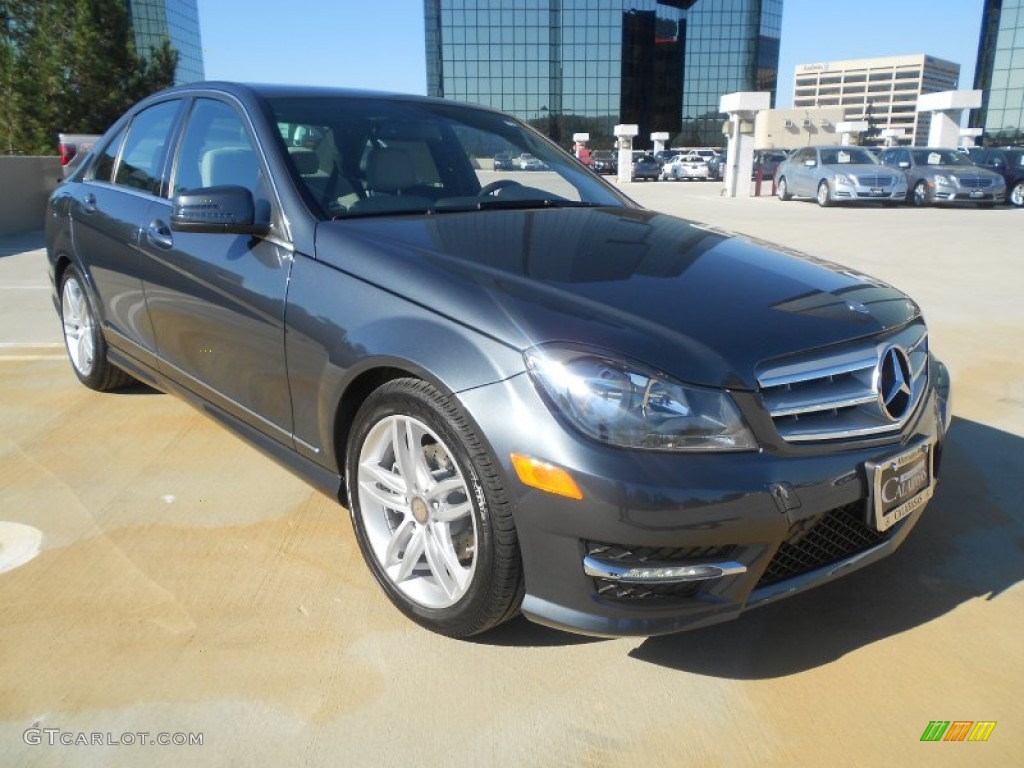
{"points": [[936, 175], [839, 174]]}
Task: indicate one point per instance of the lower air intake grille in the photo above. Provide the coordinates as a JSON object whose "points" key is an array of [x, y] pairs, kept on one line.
{"points": [[821, 541]]}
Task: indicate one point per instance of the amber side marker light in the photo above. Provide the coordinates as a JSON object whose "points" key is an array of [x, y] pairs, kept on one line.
{"points": [[545, 477]]}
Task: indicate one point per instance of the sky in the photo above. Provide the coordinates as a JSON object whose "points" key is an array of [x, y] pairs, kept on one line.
{"points": [[380, 45]]}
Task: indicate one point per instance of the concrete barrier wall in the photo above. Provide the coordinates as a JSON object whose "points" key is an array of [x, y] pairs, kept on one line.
{"points": [[25, 183]]}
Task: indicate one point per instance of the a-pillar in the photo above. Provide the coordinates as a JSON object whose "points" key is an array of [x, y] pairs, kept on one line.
{"points": [[625, 134], [741, 107], [946, 108]]}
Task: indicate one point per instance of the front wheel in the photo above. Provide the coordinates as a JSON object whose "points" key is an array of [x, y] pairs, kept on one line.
{"points": [[920, 197], [430, 513], [783, 190], [83, 339], [1016, 196], [824, 196]]}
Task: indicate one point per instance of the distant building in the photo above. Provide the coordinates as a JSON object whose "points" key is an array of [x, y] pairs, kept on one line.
{"points": [[570, 66], [177, 20], [883, 91], [1000, 73]]}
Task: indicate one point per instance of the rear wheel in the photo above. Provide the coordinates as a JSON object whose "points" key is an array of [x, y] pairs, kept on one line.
{"points": [[87, 349], [824, 195], [430, 513]]}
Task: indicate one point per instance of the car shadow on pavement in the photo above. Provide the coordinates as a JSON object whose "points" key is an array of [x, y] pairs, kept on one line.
{"points": [[968, 545]]}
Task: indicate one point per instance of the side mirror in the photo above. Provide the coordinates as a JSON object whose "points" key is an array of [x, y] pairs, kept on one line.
{"points": [[212, 210]]}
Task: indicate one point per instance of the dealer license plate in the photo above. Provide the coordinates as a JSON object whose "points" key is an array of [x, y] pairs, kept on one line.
{"points": [[900, 484], [877, 192], [977, 193]]}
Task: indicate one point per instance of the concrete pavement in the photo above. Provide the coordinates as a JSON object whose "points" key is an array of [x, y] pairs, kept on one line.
{"points": [[187, 585]]}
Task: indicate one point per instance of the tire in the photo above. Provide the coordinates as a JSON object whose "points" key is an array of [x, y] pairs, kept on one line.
{"points": [[464, 573], [1016, 196], [783, 190], [83, 338], [824, 195], [919, 195]]}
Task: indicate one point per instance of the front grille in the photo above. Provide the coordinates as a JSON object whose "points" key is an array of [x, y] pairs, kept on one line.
{"points": [[640, 556], [835, 396], [821, 541], [876, 181], [974, 182]]}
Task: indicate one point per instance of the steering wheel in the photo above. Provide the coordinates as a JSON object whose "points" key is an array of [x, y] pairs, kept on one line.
{"points": [[494, 186]]}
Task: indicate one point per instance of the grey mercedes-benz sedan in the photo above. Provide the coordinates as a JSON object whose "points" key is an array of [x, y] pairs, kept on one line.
{"points": [[936, 175], [839, 174], [530, 393]]}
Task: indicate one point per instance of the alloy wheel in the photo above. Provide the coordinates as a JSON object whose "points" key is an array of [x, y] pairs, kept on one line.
{"points": [[417, 511], [78, 327]]}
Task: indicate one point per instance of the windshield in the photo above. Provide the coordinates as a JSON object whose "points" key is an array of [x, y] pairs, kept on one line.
{"points": [[847, 156], [378, 156], [939, 157]]}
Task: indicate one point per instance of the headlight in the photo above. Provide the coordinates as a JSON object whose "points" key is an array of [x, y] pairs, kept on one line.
{"points": [[842, 178], [625, 404], [943, 181]]}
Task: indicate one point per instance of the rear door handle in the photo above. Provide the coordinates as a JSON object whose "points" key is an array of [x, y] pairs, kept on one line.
{"points": [[159, 234]]}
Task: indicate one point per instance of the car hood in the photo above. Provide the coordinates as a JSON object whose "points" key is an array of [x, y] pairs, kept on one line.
{"points": [[960, 171], [697, 303]]}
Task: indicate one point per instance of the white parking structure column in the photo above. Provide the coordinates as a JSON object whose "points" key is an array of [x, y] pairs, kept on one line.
{"points": [[946, 107], [659, 139], [625, 133], [742, 107], [850, 130]]}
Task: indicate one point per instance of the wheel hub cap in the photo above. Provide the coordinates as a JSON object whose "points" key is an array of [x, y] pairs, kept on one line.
{"points": [[420, 510]]}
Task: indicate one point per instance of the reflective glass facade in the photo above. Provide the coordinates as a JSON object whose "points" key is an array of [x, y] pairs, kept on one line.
{"points": [[1000, 73], [585, 65], [178, 20]]}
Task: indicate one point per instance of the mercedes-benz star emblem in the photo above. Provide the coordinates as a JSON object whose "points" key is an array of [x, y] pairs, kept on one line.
{"points": [[894, 379]]}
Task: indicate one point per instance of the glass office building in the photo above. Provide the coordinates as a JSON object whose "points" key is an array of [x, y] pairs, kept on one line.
{"points": [[178, 20], [571, 66], [1000, 73]]}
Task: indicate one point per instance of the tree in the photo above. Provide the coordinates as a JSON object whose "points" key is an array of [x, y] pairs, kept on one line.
{"points": [[70, 65]]}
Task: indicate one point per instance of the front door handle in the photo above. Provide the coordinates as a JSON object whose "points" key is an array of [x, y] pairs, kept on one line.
{"points": [[89, 202], [159, 234]]}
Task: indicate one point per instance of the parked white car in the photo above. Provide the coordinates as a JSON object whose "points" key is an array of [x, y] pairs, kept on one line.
{"points": [[691, 166]]}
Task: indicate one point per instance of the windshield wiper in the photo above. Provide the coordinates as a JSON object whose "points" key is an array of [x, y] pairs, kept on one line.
{"points": [[497, 204]]}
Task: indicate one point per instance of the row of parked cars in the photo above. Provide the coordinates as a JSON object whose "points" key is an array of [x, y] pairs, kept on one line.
{"points": [[919, 175]]}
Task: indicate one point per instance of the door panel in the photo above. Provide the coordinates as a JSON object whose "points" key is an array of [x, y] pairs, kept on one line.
{"points": [[217, 300]]}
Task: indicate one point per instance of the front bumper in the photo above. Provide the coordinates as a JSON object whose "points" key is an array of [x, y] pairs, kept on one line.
{"points": [[956, 195], [864, 194], [730, 531]]}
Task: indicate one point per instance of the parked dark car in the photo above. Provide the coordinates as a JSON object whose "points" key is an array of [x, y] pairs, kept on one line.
{"points": [[937, 176], [1009, 163], [716, 165], [604, 161], [503, 161], [768, 162], [538, 398], [646, 168]]}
